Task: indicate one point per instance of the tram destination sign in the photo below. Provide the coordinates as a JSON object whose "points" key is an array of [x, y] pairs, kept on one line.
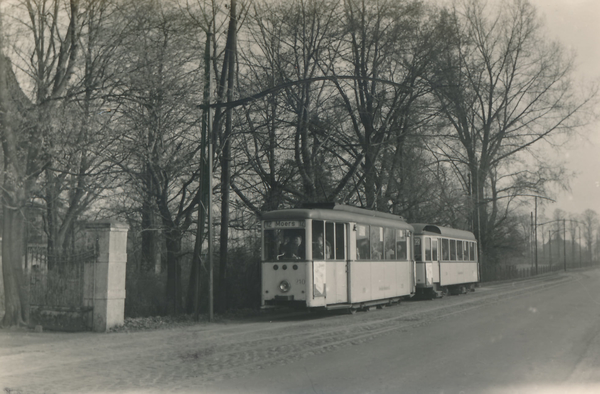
{"points": [[284, 224]]}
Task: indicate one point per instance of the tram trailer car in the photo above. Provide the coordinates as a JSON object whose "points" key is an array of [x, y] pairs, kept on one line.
{"points": [[446, 260], [335, 256]]}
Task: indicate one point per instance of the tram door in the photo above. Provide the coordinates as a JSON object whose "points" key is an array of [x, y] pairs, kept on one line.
{"points": [[329, 256]]}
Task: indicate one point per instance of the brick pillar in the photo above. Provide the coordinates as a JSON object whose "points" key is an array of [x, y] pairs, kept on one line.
{"points": [[104, 283]]}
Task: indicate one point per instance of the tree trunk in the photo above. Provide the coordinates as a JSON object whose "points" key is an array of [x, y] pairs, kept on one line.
{"points": [[174, 288], [151, 256], [16, 283]]}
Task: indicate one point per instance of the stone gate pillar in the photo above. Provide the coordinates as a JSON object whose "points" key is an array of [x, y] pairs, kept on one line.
{"points": [[104, 283]]}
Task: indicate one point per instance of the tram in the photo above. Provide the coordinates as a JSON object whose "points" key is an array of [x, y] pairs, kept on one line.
{"points": [[335, 256], [446, 260]]}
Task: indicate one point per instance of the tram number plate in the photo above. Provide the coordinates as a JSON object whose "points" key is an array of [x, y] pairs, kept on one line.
{"points": [[300, 281]]}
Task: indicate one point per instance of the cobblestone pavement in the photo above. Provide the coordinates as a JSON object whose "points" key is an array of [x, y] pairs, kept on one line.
{"points": [[192, 358]]}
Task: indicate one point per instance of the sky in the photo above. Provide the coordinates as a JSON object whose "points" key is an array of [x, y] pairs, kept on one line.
{"points": [[576, 24]]}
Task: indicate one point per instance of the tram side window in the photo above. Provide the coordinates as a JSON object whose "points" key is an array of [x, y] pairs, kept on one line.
{"points": [[445, 249], [362, 242], [340, 241], [453, 250], [427, 249], [434, 249], [459, 250], [389, 243], [376, 243], [466, 250], [472, 250], [284, 244], [318, 240], [329, 240], [418, 249], [401, 249]]}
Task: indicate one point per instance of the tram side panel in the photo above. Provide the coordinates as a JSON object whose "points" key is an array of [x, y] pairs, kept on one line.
{"points": [[360, 281], [376, 280], [336, 282], [458, 272]]}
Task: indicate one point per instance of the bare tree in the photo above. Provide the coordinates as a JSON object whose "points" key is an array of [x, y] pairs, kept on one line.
{"points": [[502, 88], [156, 100], [590, 222], [386, 48], [293, 129], [53, 35], [80, 171]]}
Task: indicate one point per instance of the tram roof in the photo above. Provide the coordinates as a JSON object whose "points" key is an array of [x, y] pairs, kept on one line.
{"points": [[337, 212], [425, 228]]}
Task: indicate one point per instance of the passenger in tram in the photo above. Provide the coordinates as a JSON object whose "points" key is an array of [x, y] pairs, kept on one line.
{"points": [[294, 249], [375, 253], [318, 248], [390, 254]]}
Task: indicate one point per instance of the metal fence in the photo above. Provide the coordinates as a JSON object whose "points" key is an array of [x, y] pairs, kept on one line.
{"points": [[63, 285], [497, 272]]}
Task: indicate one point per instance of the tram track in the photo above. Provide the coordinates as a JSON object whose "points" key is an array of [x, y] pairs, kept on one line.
{"points": [[192, 358], [285, 342]]}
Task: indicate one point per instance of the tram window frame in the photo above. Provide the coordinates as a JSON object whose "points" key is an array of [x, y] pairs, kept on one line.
{"points": [[318, 229], [276, 241], [427, 248], [452, 250], [389, 243], [376, 235], [363, 243], [434, 250], [445, 249], [459, 250], [402, 237], [340, 241], [418, 248], [329, 241]]}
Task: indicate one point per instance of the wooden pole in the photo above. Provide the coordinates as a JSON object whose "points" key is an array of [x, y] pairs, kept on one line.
{"points": [[211, 300], [565, 244], [535, 238]]}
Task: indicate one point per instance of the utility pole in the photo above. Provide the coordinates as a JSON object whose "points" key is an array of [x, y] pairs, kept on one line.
{"points": [[565, 244], [550, 247], [205, 203], [580, 261], [535, 238]]}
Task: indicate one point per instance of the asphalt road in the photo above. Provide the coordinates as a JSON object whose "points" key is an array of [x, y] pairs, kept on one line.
{"points": [[545, 341], [530, 336]]}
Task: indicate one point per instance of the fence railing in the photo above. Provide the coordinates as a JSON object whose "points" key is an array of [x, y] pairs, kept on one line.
{"points": [[491, 273], [63, 285]]}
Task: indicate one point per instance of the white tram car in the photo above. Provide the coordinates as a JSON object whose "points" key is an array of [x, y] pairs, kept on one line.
{"points": [[446, 260], [335, 256]]}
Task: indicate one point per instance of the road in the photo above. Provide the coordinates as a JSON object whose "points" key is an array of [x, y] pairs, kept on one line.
{"points": [[530, 336]]}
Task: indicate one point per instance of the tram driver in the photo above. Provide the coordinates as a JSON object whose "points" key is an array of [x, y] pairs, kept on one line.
{"points": [[293, 248]]}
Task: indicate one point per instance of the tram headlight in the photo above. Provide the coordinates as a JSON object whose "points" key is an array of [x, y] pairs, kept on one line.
{"points": [[284, 286]]}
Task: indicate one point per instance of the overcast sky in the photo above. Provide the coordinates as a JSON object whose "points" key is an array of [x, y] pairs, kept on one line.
{"points": [[576, 24]]}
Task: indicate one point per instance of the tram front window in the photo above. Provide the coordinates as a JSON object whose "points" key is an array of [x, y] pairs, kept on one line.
{"points": [[284, 244]]}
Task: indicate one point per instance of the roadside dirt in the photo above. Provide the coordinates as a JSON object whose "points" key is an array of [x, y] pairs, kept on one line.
{"points": [[190, 358]]}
